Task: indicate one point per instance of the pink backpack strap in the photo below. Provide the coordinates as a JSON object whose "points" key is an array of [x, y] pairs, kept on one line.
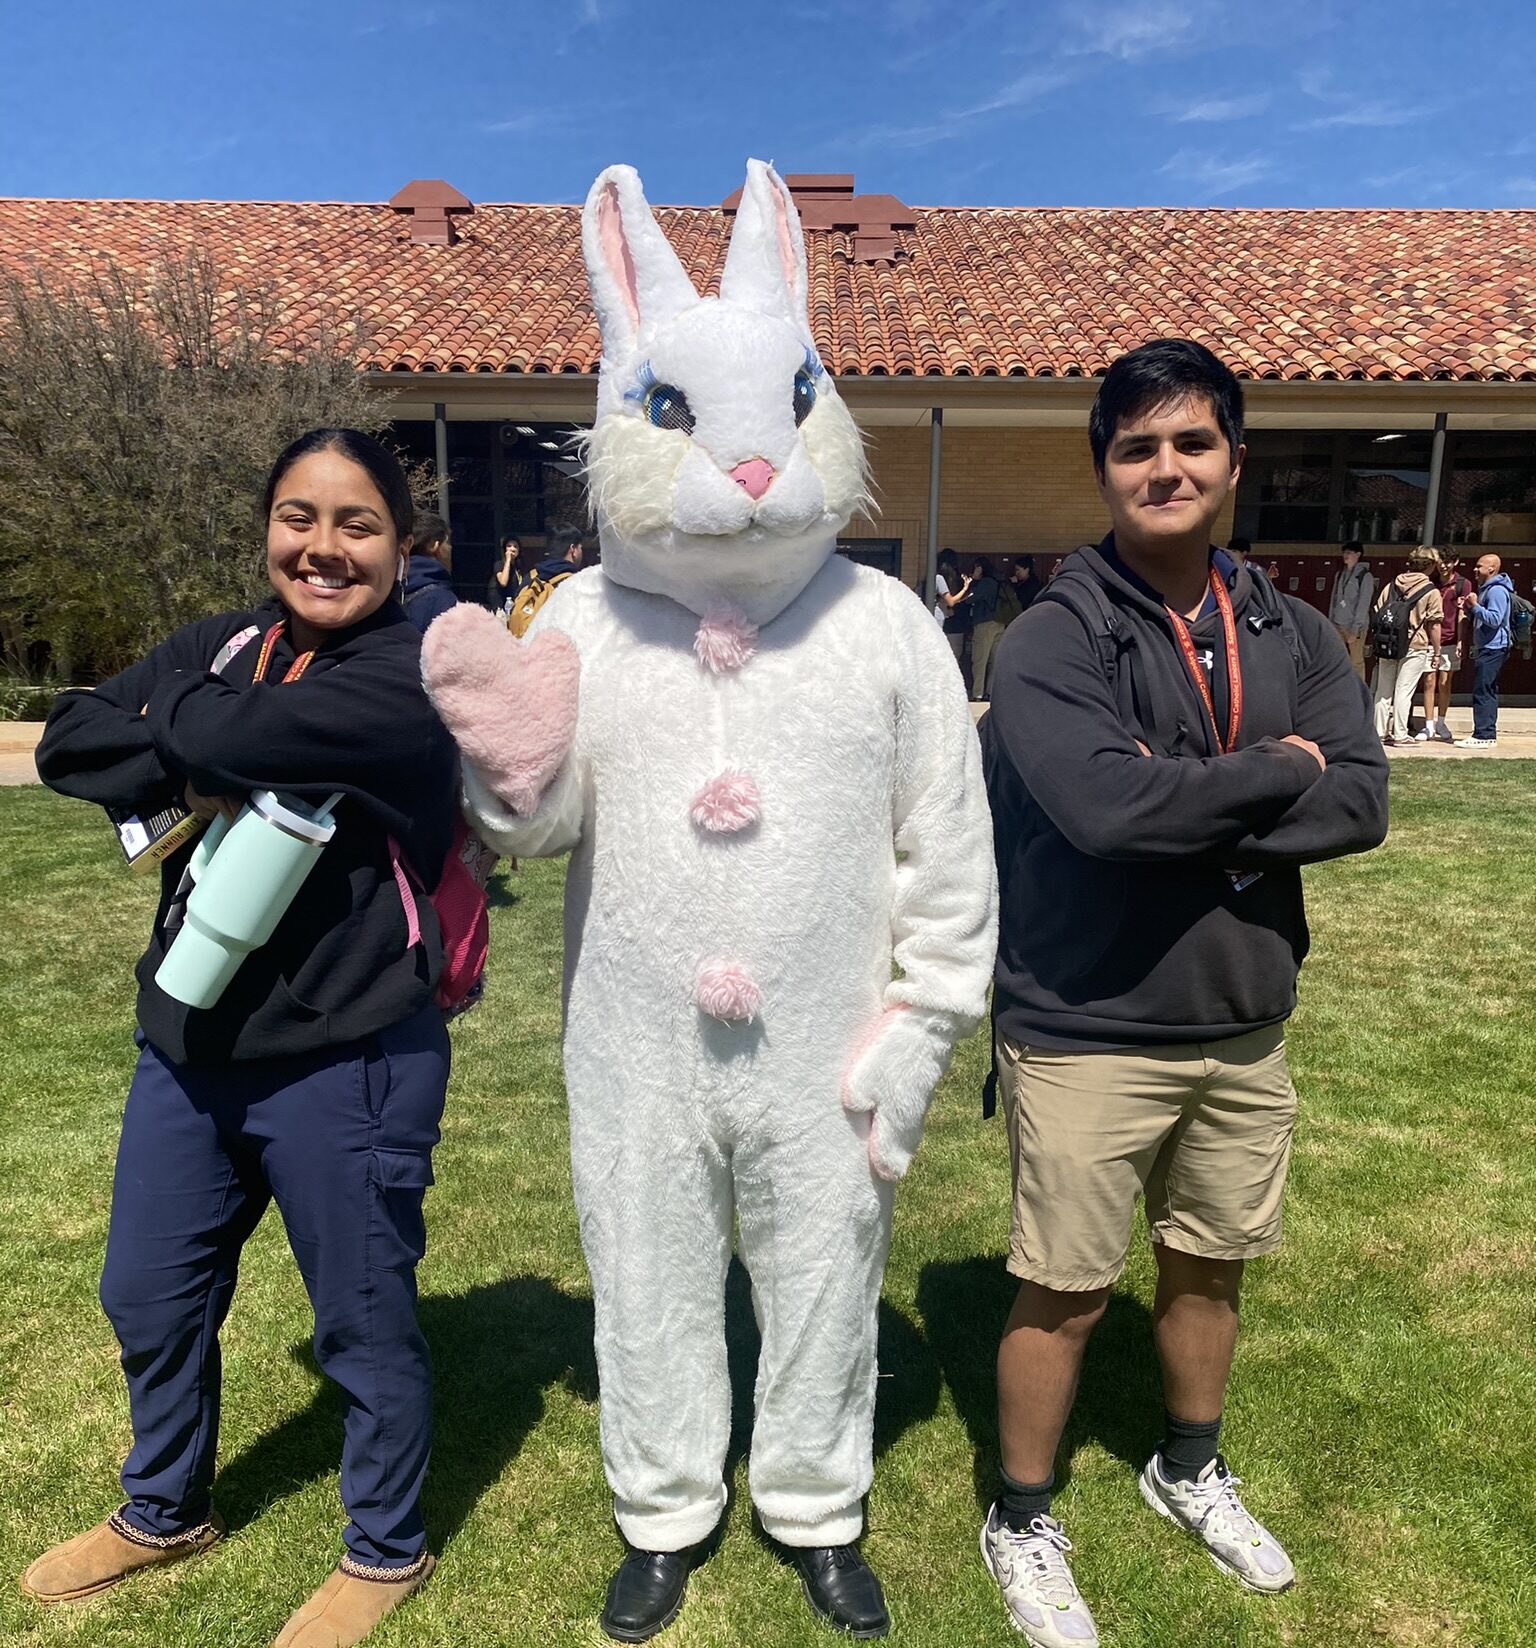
{"points": [[407, 897]]}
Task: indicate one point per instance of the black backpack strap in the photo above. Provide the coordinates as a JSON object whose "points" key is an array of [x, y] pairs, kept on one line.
{"points": [[1087, 601], [989, 1087], [1269, 609]]}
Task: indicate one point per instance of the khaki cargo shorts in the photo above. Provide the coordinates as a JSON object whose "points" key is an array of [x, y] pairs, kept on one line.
{"points": [[1202, 1130]]}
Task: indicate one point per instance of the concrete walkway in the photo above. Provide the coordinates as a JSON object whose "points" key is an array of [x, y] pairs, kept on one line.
{"points": [[18, 739]]}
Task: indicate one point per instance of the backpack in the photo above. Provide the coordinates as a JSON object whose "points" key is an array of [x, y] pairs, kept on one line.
{"points": [[530, 598], [1391, 619], [1518, 623], [460, 904]]}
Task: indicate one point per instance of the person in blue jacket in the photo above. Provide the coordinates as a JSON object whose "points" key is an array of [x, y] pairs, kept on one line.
{"points": [[428, 581], [1489, 612], [317, 1080]]}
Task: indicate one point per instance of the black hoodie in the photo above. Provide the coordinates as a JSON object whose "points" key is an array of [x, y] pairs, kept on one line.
{"points": [[1123, 919], [338, 967]]}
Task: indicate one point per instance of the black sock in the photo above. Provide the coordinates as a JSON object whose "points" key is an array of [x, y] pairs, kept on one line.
{"points": [[1021, 1502], [1188, 1446]]}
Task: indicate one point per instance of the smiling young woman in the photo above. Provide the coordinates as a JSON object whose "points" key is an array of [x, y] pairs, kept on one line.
{"points": [[317, 1080]]}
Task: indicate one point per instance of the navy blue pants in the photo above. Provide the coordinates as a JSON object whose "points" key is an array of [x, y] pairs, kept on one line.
{"points": [[1485, 692], [342, 1142]]}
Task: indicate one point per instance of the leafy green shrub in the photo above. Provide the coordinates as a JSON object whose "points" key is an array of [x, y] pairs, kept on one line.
{"points": [[23, 700], [138, 418]]}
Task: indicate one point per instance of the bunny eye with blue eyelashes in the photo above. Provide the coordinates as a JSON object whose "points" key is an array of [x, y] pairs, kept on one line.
{"points": [[667, 408], [805, 387], [663, 404]]}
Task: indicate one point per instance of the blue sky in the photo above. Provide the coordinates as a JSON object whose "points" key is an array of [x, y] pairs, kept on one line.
{"points": [[964, 102]]}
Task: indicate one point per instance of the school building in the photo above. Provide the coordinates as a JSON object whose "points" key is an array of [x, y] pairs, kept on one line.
{"points": [[1388, 356]]}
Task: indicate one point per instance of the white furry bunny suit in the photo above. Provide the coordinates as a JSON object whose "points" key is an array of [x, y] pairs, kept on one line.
{"points": [[761, 759]]}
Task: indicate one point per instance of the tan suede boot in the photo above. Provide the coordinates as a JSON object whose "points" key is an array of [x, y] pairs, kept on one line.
{"points": [[112, 1550], [351, 1602]]}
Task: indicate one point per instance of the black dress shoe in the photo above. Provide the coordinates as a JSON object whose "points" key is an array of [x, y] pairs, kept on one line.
{"points": [[646, 1594], [841, 1586]]}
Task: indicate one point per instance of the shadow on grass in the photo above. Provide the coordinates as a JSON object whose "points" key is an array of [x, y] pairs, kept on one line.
{"points": [[1119, 1400], [502, 892], [495, 1351]]}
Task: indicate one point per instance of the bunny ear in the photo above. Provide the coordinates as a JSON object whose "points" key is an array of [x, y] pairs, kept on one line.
{"points": [[765, 266], [637, 280]]}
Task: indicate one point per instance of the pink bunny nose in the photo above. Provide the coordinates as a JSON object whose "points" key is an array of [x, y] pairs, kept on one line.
{"points": [[754, 476]]}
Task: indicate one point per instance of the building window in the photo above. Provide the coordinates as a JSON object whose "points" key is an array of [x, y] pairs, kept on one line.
{"points": [[881, 553], [1490, 489], [1328, 486], [1386, 485], [504, 480], [1286, 485]]}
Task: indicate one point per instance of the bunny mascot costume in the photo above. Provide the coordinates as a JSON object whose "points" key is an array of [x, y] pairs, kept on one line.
{"points": [[761, 759]]}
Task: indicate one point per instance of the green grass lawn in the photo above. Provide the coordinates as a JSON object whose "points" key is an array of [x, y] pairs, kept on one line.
{"points": [[1381, 1412]]}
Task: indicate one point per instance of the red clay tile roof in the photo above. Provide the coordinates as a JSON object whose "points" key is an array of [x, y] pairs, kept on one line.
{"points": [[981, 292]]}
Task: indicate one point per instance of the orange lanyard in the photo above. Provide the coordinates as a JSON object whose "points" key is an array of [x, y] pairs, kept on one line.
{"points": [[1234, 669], [295, 669]]}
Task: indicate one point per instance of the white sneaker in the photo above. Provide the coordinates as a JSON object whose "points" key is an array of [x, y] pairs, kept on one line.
{"points": [[1475, 743], [1209, 1508], [1032, 1573], [1423, 735]]}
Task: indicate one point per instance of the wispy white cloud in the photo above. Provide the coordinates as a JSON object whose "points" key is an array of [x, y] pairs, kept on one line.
{"points": [[518, 123], [1214, 110], [1212, 175], [1129, 32], [1014, 94], [1375, 112], [1343, 108], [1020, 92], [894, 137], [1417, 183]]}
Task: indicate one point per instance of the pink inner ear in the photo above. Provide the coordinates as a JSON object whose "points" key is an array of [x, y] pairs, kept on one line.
{"points": [[610, 236], [786, 240]]}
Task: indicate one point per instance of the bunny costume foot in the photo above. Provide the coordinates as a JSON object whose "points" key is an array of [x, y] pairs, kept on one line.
{"points": [[781, 905]]}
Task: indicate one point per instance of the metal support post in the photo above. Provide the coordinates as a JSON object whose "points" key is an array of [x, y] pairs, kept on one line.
{"points": [[935, 446], [1436, 470], [440, 418]]}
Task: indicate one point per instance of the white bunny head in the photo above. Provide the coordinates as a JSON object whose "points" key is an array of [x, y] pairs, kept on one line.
{"points": [[723, 462]]}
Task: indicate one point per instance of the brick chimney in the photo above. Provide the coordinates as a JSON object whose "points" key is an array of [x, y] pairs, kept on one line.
{"points": [[429, 201], [826, 201]]}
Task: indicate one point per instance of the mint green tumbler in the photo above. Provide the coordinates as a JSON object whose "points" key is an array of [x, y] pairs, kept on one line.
{"points": [[247, 874]]}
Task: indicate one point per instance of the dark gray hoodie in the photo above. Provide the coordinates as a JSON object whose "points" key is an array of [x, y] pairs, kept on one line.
{"points": [[1124, 918]]}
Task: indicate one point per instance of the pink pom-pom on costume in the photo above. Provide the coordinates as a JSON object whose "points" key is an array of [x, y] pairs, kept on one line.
{"points": [[725, 641], [726, 991], [726, 803]]}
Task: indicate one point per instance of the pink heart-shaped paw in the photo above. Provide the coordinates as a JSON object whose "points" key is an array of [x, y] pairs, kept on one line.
{"points": [[510, 705]]}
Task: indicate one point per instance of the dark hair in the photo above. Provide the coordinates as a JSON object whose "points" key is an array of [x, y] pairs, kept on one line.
{"points": [[1159, 374], [382, 467], [427, 529], [1243, 546], [1353, 544], [947, 556], [562, 537]]}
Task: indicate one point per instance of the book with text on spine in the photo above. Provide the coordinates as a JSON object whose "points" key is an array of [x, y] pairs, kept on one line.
{"points": [[147, 838]]}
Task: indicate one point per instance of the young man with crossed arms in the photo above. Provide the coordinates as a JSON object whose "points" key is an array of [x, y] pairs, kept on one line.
{"points": [[1169, 741]]}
